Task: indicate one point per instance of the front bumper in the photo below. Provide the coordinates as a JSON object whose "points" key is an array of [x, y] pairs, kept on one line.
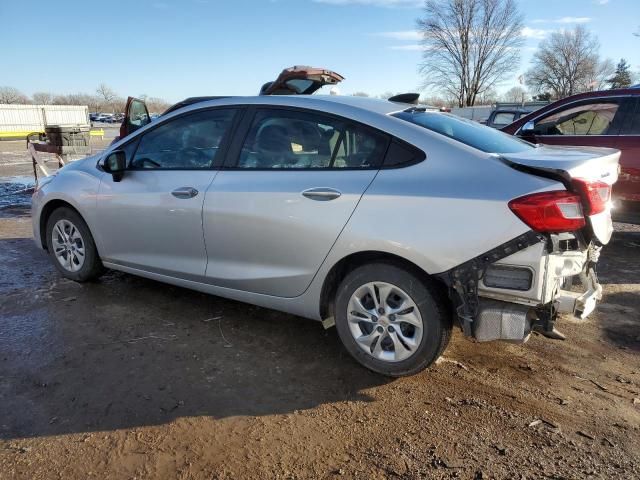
{"points": [[36, 210]]}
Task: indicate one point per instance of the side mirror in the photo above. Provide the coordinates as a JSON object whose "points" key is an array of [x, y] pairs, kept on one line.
{"points": [[116, 164], [528, 128]]}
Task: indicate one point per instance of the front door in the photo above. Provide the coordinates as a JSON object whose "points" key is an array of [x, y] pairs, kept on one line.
{"points": [[272, 217], [580, 124], [136, 116], [152, 218]]}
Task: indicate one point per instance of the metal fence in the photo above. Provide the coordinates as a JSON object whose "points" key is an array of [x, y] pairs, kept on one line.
{"points": [[20, 120]]}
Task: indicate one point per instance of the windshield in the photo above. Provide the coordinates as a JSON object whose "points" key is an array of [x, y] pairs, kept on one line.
{"points": [[470, 133]]}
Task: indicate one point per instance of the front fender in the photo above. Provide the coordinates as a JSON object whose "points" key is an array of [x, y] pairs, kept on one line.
{"points": [[75, 187]]}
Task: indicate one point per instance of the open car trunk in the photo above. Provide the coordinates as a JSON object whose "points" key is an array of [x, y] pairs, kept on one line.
{"points": [[581, 169], [300, 80]]}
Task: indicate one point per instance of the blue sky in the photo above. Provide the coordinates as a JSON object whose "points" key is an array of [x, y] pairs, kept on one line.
{"points": [[175, 49]]}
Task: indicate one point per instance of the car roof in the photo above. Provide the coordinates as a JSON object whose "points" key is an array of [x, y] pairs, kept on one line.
{"points": [[598, 93], [316, 102], [511, 109]]}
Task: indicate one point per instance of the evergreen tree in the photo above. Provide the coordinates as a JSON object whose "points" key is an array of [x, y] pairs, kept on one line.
{"points": [[622, 77]]}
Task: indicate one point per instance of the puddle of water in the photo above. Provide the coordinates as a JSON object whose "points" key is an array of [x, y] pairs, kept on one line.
{"points": [[16, 191]]}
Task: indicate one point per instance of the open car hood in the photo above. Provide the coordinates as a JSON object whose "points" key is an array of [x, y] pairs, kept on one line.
{"points": [[300, 80]]}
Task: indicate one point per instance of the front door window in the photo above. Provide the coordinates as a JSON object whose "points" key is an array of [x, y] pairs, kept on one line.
{"points": [[586, 119]]}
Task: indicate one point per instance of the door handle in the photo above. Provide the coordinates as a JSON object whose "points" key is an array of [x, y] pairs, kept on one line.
{"points": [[185, 192], [321, 194]]}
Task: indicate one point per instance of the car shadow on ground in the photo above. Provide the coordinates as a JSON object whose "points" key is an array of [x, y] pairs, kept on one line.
{"points": [[620, 264], [622, 326], [126, 352]]}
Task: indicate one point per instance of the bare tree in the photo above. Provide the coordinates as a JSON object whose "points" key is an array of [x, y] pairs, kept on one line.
{"points": [[386, 95], [42, 98], [12, 95], [438, 101], [107, 95], [156, 105], [567, 63], [469, 45], [487, 96], [515, 94], [94, 102], [605, 69]]}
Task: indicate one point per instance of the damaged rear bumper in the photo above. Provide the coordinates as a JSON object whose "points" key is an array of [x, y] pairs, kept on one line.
{"points": [[556, 275]]}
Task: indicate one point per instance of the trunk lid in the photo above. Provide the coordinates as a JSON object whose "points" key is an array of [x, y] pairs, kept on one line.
{"points": [[566, 164], [300, 80]]}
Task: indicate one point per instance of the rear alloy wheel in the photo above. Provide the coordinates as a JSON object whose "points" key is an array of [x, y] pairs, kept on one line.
{"points": [[390, 320], [71, 246]]}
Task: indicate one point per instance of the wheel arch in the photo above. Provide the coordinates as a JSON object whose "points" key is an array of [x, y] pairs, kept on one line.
{"points": [[347, 264], [48, 208]]}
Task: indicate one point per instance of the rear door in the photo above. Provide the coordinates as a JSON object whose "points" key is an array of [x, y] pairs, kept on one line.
{"points": [[136, 116], [152, 218], [294, 178]]}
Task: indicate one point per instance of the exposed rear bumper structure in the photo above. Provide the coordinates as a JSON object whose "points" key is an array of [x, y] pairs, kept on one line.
{"points": [[511, 314]]}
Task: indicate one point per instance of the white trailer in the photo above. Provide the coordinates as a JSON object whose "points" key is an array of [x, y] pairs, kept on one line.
{"points": [[18, 121]]}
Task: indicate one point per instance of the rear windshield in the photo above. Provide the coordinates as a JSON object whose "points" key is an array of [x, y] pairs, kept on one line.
{"points": [[470, 133]]}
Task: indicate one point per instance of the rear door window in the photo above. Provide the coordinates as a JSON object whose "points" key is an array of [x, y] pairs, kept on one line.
{"points": [[188, 142], [503, 118], [589, 118], [287, 139]]}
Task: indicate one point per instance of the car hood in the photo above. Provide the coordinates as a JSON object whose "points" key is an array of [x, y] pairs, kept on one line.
{"points": [[80, 164]]}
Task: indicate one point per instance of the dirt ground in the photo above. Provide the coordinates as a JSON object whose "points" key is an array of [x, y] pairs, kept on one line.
{"points": [[129, 378]]}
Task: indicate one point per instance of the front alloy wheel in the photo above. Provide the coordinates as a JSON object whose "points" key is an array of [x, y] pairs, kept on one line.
{"points": [[71, 246], [68, 245]]}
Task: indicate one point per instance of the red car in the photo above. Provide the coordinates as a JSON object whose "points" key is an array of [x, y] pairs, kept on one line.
{"points": [[609, 118]]}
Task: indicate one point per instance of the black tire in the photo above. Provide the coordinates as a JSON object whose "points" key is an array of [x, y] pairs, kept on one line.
{"points": [[91, 267], [432, 304]]}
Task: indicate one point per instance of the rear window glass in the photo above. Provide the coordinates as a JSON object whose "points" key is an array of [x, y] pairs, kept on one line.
{"points": [[504, 118], [465, 131]]}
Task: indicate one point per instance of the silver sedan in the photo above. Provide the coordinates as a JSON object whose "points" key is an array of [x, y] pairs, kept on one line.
{"points": [[390, 221]]}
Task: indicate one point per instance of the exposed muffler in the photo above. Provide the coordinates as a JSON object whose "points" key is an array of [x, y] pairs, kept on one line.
{"points": [[503, 321]]}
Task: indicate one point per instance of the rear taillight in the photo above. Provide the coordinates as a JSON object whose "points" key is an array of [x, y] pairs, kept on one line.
{"points": [[553, 212], [597, 195]]}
